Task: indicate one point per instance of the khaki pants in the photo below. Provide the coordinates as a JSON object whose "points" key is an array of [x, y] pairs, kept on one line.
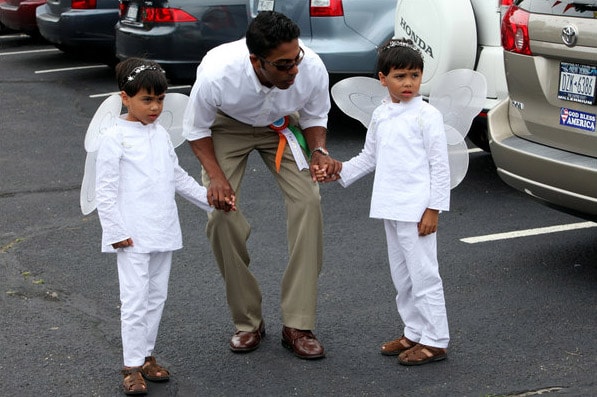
{"points": [[228, 232]]}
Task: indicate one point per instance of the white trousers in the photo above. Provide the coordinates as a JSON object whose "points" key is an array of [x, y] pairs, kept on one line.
{"points": [[415, 273], [143, 280]]}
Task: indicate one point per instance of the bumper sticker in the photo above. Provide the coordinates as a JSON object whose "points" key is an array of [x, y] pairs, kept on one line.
{"points": [[577, 119]]}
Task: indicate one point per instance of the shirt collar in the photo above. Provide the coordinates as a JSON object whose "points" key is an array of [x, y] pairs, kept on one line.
{"points": [[252, 76]]}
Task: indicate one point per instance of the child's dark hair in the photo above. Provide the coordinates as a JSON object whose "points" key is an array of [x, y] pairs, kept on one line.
{"points": [[268, 30], [134, 74], [399, 54]]}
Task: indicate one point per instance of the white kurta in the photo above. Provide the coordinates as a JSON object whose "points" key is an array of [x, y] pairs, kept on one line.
{"points": [[406, 147], [137, 176]]}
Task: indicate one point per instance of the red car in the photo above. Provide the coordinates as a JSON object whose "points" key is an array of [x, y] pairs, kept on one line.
{"points": [[19, 15]]}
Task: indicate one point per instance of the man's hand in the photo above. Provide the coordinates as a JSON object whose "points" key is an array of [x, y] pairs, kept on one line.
{"points": [[220, 195]]}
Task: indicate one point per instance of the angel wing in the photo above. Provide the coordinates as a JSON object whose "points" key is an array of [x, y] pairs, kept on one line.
{"points": [[104, 118], [458, 94]]}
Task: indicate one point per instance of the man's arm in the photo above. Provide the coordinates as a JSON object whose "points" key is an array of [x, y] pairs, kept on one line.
{"points": [[219, 192]]}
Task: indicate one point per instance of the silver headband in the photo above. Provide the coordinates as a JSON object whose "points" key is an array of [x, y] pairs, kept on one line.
{"points": [[139, 69], [399, 43]]}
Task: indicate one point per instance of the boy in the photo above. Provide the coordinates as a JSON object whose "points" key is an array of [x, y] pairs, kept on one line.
{"points": [[137, 176], [406, 147]]}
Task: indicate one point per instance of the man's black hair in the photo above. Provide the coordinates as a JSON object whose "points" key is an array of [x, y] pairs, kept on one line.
{"points": [[268, 30]]}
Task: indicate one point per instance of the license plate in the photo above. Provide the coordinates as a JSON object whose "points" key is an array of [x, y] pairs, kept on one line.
{"points": [[132, 11], [265, 5], [577, 83]]}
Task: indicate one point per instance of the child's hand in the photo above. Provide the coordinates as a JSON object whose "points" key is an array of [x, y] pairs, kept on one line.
{"points": [[230, 203], [123, 244], [320, 174], [428, 223], [330, 178]]}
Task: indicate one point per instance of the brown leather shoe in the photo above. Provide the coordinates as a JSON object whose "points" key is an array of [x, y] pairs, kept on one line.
{"points": [[302, 343], [246, 341], [397, 346], [421, 354]]}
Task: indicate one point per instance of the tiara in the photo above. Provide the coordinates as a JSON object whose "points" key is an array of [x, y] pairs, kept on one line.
{"points": [[400, 43], [139, 69]]}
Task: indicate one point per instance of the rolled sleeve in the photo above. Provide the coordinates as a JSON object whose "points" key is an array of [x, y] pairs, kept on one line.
{"points": [[200, 112]]}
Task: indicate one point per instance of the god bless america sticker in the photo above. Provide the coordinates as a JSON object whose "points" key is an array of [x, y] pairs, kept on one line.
{"points": [[577, 119]]}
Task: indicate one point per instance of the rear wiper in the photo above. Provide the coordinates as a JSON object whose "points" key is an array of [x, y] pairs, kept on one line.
{"points": [[583, 7]]}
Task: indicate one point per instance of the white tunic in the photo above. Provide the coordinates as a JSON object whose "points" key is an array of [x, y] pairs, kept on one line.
{"points": [[406, 147], [137, 176], [226, 81]]}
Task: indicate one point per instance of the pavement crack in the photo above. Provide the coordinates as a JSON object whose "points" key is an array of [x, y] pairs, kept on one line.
{"points": [[37, 191]]}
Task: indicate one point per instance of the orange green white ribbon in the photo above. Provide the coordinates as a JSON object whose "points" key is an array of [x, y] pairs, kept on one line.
{"points": [[295, 140]]}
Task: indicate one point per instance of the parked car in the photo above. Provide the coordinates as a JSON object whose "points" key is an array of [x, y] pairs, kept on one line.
{"points": [[79, 26], [543, 137], [19, 15], [458, 34], [178, 33]]}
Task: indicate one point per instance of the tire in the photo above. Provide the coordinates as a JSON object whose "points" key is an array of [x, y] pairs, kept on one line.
{"points": [[479, 134]]}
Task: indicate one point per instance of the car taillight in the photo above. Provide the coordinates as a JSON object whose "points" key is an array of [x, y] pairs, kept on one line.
{"points": [[166, 15], [122, 8], [506, 3], [515, 31], [83, 4], [326, 8]]}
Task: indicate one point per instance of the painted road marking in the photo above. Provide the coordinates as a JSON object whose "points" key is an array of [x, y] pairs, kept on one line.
{"points": [[71, 68], [29, 52], [528, 232], [106, 94]]}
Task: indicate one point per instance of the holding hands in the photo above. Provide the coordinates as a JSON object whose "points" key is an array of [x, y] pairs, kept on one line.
{"points": [[324, 168], [220, 195]]}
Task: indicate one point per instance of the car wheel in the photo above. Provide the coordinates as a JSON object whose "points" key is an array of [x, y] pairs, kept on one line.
{"points": [[478, 133], [3, 29]]}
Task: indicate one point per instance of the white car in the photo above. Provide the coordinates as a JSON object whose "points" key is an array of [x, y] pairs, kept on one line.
{"points": [[458, 34]]}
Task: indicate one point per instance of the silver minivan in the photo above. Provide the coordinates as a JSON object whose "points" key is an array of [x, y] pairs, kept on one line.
{"points": [[542, 137]]}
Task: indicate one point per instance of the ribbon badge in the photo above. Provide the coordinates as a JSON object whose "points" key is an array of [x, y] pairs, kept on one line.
{"points": [[294, 138]]}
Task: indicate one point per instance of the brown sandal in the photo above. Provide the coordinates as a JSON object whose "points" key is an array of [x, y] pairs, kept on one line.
{"points": [[133, 382], [421, 354], [154, 372], [397, 346]]}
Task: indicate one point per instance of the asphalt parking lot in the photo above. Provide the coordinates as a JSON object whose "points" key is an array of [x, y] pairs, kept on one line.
{"points": [[520, 278]]}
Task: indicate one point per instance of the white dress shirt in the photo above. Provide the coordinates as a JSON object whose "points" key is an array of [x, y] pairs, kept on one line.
{"points": [[406, 147], [137, 176], [226, 81]]}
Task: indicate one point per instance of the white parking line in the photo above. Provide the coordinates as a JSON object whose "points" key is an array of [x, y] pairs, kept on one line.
{"points": [[71, 68], [29, 51], [14, 36], [106, 94], [528, 232]]}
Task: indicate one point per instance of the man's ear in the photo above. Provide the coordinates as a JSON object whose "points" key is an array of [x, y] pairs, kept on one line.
{"points": [[255, 61]]}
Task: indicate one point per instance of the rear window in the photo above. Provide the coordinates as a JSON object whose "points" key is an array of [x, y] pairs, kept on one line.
{"points": [[581, 8]]}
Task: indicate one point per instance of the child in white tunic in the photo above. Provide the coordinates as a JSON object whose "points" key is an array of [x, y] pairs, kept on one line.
{"points": [[137, 176], [406, 147]]}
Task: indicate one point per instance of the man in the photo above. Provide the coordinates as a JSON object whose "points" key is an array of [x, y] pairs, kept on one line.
{"points": [[238, 104]]}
